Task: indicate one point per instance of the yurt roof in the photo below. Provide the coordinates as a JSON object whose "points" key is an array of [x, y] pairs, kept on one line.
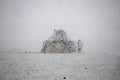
{"points": [[59, 35]]}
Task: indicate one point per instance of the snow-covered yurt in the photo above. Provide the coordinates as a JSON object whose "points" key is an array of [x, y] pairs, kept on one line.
{"points": [[60, 42]]}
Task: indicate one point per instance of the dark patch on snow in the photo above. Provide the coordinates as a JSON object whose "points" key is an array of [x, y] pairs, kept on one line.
{"points": [[64, 77], [86, 68]]}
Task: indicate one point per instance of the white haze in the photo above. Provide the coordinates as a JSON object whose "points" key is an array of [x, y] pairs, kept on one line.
{"points": [[25, 24]]}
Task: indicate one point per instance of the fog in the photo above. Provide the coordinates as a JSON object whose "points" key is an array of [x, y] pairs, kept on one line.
{"points": [[25, 24]]}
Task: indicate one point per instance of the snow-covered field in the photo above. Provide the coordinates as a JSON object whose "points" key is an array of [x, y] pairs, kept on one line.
{"points": [[73, 66]]}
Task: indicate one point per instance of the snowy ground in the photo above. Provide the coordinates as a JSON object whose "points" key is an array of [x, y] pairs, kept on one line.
{"points": [[38, 66]]}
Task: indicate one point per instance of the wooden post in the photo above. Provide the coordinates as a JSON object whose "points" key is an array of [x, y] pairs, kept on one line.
{"points": [[79, 45]]}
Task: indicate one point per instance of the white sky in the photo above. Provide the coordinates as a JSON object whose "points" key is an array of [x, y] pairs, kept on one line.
{"points": [[24, 24]]}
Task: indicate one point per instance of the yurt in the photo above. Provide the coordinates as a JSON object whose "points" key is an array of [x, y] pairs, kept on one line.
{"points": [[59, 42]]}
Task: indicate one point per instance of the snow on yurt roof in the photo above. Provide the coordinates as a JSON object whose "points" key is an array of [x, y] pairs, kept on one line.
{"points": [[59, 35]]}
